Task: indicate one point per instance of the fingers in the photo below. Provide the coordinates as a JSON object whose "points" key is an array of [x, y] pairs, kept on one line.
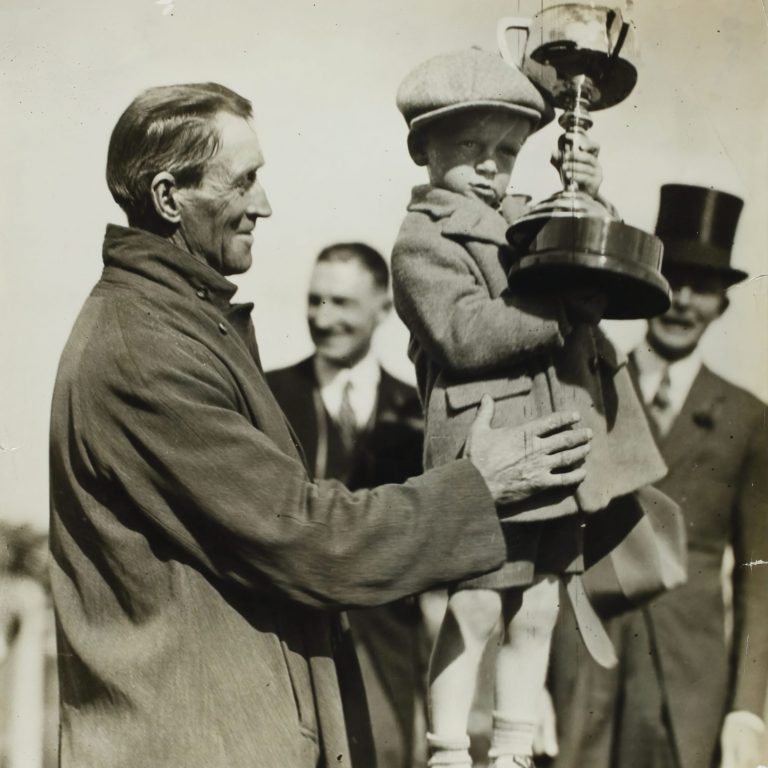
{"points": [[554, 422], [562, 441], [565, 459], [574, 477], [484, 415], [485, 412], [579, 142]]}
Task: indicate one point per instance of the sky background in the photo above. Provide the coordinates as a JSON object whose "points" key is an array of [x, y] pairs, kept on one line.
{"points": [[322, 76]]}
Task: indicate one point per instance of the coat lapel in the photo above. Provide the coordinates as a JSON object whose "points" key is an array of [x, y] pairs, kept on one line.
{"points": [[695, 421], [479, 228]]}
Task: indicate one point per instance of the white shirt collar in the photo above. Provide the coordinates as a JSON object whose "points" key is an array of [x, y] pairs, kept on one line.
{"points": [[682, 374], [364, 378]]}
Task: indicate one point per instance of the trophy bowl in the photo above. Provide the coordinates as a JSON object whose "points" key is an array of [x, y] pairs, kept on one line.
{"points": [[581, 56], [587, 40]]}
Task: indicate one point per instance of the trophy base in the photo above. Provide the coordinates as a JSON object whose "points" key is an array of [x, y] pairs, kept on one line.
{"points": [[556, 254]]}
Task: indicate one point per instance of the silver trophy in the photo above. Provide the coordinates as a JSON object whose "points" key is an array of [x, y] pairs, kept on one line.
{"points": [[581, 55]]}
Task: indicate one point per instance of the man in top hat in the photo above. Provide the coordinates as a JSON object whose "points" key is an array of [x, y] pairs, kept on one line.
{"points": [[682, 695]]}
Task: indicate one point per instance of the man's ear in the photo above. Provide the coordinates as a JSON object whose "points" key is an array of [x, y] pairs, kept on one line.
{"points": [[163, 190], [725, 302], [384, 308]]}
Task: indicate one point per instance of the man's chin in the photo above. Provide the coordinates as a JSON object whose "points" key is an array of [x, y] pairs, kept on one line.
{"points": [[237, 265], [334, 357], [674, 343]]}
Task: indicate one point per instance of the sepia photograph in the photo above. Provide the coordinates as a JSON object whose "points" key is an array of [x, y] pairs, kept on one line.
{"points": [[384, 384]]}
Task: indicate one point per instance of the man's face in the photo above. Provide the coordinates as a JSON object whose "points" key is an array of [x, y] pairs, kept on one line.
{"points": [[344, 308], [218, 216], [698, 298], [473, 153]]}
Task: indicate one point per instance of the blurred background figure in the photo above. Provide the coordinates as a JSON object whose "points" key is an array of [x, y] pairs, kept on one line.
{"points": [[358, 424], [682, 695], [28, 693]]}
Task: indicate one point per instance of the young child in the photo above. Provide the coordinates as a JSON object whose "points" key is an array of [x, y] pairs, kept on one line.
{"points": [[469, 114]]}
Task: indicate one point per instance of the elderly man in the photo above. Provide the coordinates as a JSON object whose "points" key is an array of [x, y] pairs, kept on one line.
{"points": [[198, 570], [679, 698], [360, 425]]}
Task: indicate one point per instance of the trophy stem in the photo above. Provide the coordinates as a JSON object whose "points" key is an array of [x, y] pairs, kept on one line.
{"points": [[576, 117]]}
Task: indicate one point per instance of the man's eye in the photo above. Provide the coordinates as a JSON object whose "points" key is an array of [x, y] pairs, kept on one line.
{"points": [[247, 181], [469, 143]]}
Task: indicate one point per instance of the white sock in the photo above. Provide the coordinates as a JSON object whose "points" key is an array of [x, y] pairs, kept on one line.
{"points": [[449, 751], [510, 737]]}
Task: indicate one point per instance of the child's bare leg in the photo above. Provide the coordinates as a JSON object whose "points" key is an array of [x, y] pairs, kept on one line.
{"points": [[521, 669], [469, 622]]}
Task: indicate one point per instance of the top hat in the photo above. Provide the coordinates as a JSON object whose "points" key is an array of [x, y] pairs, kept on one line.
{"points": [[697, 226]]}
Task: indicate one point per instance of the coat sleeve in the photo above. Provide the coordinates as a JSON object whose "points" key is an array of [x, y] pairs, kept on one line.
{"points": [[750, 576], [167, 431], [451, 313]]}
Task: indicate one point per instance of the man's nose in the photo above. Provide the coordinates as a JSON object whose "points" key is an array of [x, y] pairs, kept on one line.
{"points": [[681, 296], [322, 315], [258, 204]]}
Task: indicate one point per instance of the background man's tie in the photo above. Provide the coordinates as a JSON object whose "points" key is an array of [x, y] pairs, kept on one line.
{"points": [[660, 407], [346, 419]]}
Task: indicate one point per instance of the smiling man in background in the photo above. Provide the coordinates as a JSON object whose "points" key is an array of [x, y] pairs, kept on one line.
{"points": [[359, 424]]}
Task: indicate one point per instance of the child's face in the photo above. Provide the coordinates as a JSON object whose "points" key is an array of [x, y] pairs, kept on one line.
{"points": [[473, 153]]}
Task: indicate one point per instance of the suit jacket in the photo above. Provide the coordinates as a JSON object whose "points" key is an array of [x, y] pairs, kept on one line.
{"points": [[663, 706], [717, 454], [197, 570], [470, 335], [390, 452], [390, 640]]}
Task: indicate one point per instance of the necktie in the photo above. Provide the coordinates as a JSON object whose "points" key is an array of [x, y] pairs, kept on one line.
{"points": [[661, 406], [346, 419]]}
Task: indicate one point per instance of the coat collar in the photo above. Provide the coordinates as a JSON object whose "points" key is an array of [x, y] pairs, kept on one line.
{"points": [[137, 257], [464, 218]]}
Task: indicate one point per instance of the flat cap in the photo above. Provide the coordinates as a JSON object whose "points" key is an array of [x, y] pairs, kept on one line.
{"points": [[468, 79]]}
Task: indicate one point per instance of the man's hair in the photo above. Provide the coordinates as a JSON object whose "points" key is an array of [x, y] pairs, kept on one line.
{"points": [[170, 128], [368, 258]]}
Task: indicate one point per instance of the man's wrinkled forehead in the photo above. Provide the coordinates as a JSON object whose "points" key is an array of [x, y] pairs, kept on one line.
{"points": [[238, 147]]}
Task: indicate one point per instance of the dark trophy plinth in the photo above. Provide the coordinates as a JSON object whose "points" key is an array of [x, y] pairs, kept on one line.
{"points": [[580, 55]]}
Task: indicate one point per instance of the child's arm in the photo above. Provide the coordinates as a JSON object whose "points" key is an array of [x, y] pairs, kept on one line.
{"points": [[452, 315]]}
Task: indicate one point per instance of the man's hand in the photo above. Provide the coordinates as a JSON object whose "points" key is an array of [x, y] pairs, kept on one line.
{"points": [[576, 160], [741, 741], [518, 462]]}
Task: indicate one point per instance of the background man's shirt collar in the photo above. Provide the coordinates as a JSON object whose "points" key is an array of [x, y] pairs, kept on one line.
{"points": [[682, 374], [364, 377]]}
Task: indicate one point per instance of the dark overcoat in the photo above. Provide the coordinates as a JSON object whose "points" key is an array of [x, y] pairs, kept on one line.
{"points": [[197, 571]]}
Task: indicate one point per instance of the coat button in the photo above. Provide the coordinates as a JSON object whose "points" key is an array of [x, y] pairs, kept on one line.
{"points": [[202, 293], [223, 329], [594, 363]]}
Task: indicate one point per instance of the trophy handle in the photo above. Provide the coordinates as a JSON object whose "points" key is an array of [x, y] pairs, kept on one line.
{"points": [[503, 26]]}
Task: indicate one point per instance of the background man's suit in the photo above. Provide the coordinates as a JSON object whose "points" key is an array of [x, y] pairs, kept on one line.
{"points": [[675, 673], [390, 642]]}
